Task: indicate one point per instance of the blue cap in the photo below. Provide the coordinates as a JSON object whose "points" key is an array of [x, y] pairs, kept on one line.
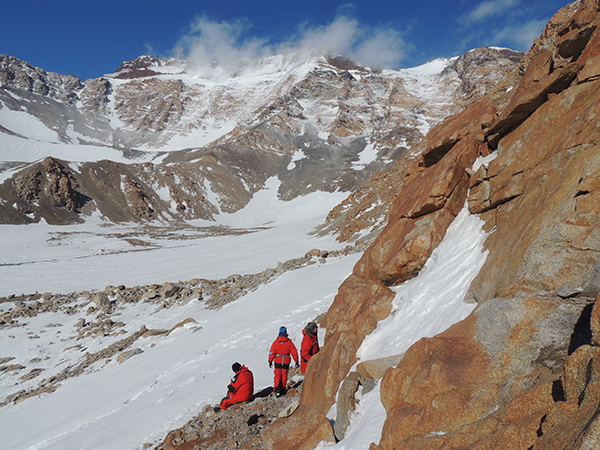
{"points": [[283, 331]]}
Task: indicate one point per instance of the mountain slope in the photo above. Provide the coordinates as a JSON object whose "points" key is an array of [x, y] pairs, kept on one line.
{"points": [[192, 144]]}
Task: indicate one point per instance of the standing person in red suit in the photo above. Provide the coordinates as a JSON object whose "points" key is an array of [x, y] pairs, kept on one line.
{"points": [[282, 351], [241, 388], [310, 344]]}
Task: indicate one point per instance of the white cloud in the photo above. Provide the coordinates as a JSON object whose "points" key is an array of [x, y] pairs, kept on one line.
{"points": [[380, 46], [210, 42], [488, 9]]}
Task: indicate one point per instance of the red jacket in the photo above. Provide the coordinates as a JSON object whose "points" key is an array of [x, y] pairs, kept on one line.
{"points": [[242, 385], [309, 348], [282, 351]]}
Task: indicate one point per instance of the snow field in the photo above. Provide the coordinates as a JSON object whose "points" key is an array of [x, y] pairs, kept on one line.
{"points": [[139, 401]]}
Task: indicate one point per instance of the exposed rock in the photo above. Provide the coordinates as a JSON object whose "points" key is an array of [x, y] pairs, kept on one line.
{"points": [[181, 324], [595, 324], [290, 408], [346, 403], [303, 430], [348, 322], [536, 171], [375, 368], [453, 381], [17, 73], [61, 185], [128, 354], [101, 300]]}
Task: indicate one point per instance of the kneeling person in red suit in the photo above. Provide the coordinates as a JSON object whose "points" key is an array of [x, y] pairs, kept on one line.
{"points": [[241, 388]]}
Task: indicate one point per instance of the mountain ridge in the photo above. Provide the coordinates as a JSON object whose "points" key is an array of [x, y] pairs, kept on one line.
{"points": [[326, 125]]}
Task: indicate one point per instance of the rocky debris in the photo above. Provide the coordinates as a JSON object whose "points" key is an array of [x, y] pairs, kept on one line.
{"points": [[51, 383], [11, 367], [215, 294], [239, 426], [181, 324]]}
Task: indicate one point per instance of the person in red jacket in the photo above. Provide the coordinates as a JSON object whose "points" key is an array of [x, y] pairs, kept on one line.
{"points": [[282, 351], [241, 388], [310, 344]]}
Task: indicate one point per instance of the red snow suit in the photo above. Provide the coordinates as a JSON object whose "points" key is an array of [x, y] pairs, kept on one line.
{"points": [[241, 388], [309, 348], [282, 351]]}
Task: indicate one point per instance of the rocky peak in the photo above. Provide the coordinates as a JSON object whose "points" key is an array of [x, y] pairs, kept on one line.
{"points": [[18, 74], [343, 63], [138, 68], [480, 70]]}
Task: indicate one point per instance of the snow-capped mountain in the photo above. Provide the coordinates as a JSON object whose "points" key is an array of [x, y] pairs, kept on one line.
{"points": [[163, 139]]}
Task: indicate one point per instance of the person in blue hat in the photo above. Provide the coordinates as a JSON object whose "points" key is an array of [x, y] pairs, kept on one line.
{"points": [[281, 353]]}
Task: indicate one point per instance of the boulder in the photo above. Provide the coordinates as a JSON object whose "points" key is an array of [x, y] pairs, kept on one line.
{"points": [[128, 354], [420, 217], [175, 441], [181, 324], [326, 371], [289, 410], [303, 430], [169, 290], [346, 403], [375, 368], [356, 309], [492, 371], [101, 300]]}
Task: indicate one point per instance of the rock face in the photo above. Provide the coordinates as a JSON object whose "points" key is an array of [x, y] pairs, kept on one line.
{"points": [[521, 371], [325, 125]]}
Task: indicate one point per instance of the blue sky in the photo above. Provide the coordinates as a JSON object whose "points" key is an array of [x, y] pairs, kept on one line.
{"points": [[89, 39]]}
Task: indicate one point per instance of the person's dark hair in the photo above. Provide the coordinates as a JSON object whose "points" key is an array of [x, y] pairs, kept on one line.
{"points": [[236, 366]]}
